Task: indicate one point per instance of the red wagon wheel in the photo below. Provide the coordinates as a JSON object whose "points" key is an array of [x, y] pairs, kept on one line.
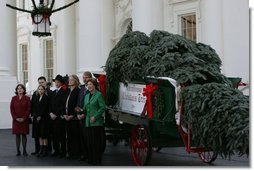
{"points": [[208, 156], [141, 148]]}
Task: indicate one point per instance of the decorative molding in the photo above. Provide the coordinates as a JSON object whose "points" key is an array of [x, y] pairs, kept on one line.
{"points": [[170, 2], [176, 8], [198, 14], [122, 4], [123, 13], [4, 71]]}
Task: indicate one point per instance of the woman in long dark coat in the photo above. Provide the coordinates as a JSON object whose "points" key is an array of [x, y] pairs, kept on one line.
{"points": [[20, 109], [72, 122], [40, 107]]}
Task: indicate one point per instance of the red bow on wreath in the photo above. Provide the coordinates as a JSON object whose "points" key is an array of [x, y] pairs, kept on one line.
{"points": [[148, 91], [102, 83]]}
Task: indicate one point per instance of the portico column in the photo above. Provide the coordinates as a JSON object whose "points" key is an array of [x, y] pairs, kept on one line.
{"points": [[147, 15], [212, 25], [89, 36], [157, 14], [8, 34], [8, 58], [142, 16]]}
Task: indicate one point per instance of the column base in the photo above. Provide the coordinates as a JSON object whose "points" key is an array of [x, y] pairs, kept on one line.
{"points": [[7, 89]]}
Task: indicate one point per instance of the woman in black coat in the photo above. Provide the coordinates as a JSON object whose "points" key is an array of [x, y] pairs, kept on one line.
{"points": [[72, 122], [41, 117]]}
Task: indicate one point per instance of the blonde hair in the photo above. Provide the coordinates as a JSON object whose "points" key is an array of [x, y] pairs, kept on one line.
{"points": [[76, 79]]}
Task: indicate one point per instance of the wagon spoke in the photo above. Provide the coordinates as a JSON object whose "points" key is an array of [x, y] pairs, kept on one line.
{"points": [[141, 146]]}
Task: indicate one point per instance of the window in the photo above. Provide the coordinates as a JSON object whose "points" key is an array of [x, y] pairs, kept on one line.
{"points": [[188, 27], [48, 59], [129, 27], [24, 65]]}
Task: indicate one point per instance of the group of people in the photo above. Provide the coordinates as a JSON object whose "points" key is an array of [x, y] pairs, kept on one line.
{"points": [[67, 122]]}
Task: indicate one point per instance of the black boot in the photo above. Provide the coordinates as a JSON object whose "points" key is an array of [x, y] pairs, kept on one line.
{"points": [[41, 151], [18, 145], [45, 151], [37, 146], [24, 141], [18, 153], [25, 153]]}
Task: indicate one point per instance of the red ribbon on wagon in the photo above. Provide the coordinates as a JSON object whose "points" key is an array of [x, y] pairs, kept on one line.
{"points": [[148, 91]]}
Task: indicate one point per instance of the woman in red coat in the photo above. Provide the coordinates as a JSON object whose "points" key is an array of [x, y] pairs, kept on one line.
{"points": [[20, 110]]}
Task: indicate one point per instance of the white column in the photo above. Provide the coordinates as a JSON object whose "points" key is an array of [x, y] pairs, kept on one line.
{"points": [[8, 32], [89, 36], [157, 15], [65, 38], [212, 24], [142, 16], [108, 29], [236, 38], [147, 15], [8, 58], [69, 39]]}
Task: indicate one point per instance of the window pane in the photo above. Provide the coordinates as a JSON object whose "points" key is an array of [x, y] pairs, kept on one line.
{"points": [[24, 63], [49, 59], [188, 27]]}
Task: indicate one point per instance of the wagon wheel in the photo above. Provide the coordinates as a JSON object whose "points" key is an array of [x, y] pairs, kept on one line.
{"points": [[207, 156], [157, 149], [141, 148]]}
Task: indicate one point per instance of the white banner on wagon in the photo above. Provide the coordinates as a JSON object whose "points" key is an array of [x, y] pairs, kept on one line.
{"points": [[131, 99]]}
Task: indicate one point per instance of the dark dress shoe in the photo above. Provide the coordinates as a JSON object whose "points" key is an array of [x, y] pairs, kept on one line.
{"points": [[44, 154], [35, 153], [82, 158], [67, 156], [18, 153], [25, 153], [55, 154]]}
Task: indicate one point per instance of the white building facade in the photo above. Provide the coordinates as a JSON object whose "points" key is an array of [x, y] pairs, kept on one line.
{"points": [[84, 34]]}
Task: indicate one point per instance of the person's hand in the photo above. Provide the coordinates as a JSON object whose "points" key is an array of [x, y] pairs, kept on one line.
{"points": [[70, 117], [92, 119], [66, 117], [53, 116], [38, 119], [78, 109], [18, 119], [80, 117]]}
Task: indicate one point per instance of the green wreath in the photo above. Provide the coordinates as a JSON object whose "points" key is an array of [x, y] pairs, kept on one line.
{"points": [[158, 105]]}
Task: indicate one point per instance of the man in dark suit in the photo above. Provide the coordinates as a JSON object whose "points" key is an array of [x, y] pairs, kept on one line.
{"points": [[80, 104], [41, 81], [57, 111]]}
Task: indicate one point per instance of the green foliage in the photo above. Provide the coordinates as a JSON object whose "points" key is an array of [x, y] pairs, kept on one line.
{"points": [[219, 114], [163, 54], [125, 62], [158, 105], [126, 59], [219, 117]]}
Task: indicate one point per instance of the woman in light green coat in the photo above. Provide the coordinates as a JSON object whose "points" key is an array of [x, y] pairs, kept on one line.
{"points": [[93, 110]]}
